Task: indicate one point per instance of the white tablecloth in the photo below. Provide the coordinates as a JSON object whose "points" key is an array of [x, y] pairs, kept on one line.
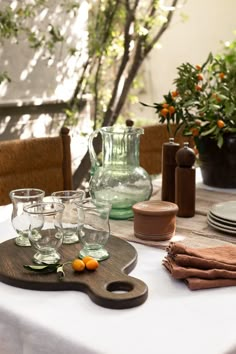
{"points": [[173, 320]]}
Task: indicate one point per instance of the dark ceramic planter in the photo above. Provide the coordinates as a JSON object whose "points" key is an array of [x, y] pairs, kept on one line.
{"points": [[218, 166]]}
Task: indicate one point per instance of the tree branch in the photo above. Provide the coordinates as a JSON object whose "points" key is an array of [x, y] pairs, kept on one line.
{"points": [[139, 56], [162, 29], [125, 59]]}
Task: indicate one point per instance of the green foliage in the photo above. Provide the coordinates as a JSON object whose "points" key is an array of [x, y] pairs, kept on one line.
{"points": [[4, 77], [203, 101], [17, 22], [8, 26]]}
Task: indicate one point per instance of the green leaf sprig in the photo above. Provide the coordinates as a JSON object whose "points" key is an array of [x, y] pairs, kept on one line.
{"points": [[48, 268]]}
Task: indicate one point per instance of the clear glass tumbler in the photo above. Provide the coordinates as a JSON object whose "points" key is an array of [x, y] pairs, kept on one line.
{"points": [[94, 228], [21, 198], [70, 218], [45, 231]]}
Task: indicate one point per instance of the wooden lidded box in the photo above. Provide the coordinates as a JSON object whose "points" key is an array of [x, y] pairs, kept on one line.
{"points": [[155, 220]]}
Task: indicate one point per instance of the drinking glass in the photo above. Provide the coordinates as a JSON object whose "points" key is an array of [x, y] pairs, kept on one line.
{"points": [[45, 231], [21, 198], [94, 228], [69, 218]]}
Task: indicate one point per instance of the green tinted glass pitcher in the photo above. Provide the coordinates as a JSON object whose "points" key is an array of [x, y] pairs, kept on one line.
{"points": [[119, 178]]}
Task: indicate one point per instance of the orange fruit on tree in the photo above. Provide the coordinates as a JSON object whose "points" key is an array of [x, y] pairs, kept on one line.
{"points": [[174, 93], [198, 67], [220, 123], [164, 112], [198, 88], [92, 264], [195, 131], [221, 75], [78, 265], [171, 110], [200, 77], [165, 105]]}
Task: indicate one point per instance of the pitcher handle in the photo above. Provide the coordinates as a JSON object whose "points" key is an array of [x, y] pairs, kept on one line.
{"points": [[92, 153]]}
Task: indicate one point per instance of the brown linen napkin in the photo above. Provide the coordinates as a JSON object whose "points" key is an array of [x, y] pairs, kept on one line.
{"points": [[202, 268]]}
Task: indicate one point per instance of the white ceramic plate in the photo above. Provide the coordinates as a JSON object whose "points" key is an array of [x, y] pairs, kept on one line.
{"points": [[221, 220], [219, 224], [226, 210], [221, 228]]}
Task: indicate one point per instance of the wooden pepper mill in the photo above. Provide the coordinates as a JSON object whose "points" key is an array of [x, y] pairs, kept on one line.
{"points": [[169, 150], [185, 183]]}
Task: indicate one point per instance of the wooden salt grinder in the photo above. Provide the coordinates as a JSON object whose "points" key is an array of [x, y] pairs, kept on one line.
{"points": [[169, 150], [185, 184]]}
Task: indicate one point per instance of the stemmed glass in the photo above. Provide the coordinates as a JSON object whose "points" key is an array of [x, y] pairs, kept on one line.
{"points": [[69, 219], [94, 228], [45, 231], [21, 198]]}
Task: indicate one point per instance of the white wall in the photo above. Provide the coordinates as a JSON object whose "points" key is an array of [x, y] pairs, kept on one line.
{"points": [[209, 23], [36, 76]]}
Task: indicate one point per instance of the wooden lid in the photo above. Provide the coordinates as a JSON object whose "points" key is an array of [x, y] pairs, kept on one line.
{"points": [[155, 207], [185, 157]]}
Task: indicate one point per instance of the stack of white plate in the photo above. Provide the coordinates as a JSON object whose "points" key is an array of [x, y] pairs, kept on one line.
{"points": [[222, 217]]}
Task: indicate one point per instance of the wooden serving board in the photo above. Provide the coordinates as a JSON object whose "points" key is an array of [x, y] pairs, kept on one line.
{"points": [[109, 286]]}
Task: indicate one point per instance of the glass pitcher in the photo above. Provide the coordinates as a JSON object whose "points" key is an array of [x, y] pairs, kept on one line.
{"points": [[119, 178]]}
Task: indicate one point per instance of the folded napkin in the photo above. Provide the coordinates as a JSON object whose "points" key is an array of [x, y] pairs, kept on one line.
{"points": [[202, 268]]}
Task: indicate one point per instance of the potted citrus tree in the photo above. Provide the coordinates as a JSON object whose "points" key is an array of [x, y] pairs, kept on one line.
{"points": [[203, 105]]}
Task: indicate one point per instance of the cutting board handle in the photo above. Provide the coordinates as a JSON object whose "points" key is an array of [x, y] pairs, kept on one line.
{"points": [[123, 291]]}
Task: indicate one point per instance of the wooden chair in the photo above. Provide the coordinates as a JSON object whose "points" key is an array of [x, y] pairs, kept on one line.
{"points": [[43, 163], [151, 146]]}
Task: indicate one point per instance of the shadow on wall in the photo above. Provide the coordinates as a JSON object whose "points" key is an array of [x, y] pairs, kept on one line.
{"points": [[29, 120], [45, 120], [38, 72]]}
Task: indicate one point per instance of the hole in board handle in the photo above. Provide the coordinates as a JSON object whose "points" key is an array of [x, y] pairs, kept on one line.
{"points": [[120, 287]]}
